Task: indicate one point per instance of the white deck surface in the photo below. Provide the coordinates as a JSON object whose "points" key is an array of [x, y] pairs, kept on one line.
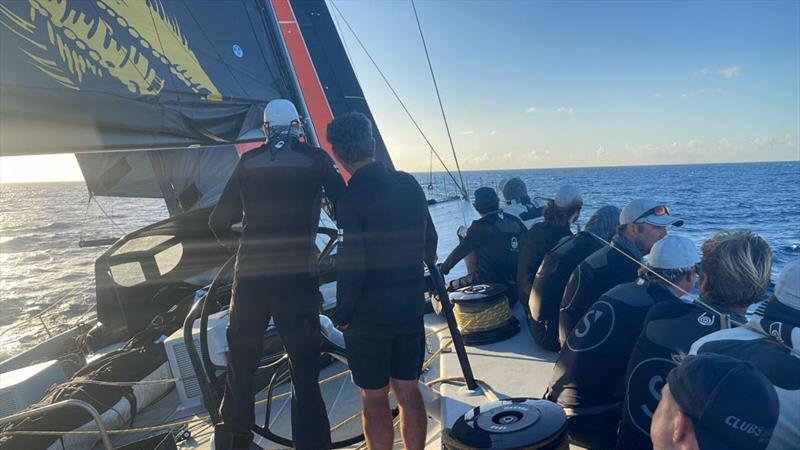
{"points": [[515, 367]]}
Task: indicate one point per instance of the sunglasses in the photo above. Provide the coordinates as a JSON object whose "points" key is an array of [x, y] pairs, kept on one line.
{"points": [[659, 211]]}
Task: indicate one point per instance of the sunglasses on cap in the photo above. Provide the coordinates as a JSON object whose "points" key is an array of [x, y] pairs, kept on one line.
{"points": [[660, 210]]}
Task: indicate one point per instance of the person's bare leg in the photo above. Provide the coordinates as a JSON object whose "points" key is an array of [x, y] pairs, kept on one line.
{"points": [[377, 418], [413, 418]]}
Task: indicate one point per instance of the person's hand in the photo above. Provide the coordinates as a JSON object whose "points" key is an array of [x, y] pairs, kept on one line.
{"points": [[442, 269], [343, 327]]}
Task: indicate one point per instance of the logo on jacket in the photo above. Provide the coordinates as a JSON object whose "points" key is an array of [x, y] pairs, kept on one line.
{"points": [[706, 319], [514, 243], [594, 328]]}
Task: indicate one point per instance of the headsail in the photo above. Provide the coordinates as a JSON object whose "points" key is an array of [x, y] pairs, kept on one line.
{"points": [[185, 178]]}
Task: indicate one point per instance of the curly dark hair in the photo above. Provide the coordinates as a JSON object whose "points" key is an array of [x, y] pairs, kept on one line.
{"points": [[351, 137]]}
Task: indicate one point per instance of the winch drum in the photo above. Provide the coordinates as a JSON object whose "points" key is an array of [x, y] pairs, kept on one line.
{"points": [[511, 424], [483, 314]]}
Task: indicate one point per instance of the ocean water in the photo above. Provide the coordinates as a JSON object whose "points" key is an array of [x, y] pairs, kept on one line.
{"points": [[41, 224]]}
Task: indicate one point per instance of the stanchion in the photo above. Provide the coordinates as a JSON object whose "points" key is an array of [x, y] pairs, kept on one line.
{"points": [[455, 334]]}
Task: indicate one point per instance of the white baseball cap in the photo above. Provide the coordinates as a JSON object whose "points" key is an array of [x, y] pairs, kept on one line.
{"points": [[567, 195], [673, 252], [647, 210], [280, 113], [787, 289]]}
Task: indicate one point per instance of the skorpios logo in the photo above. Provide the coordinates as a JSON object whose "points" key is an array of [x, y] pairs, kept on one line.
{"points": [[593, 329], [644, 391], [743, 425]]}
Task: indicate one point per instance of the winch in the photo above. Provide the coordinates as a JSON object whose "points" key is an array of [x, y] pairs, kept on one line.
{"points": [[483, 314], [511, 424]]}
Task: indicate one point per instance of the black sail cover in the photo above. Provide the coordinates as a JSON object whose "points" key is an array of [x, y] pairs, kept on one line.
{"points": [[83, 76]]}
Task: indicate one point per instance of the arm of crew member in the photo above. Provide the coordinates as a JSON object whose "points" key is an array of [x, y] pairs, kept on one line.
{"points": [[228, 210], [464, 248], [350, 264], [431, 242], [332, 181]]}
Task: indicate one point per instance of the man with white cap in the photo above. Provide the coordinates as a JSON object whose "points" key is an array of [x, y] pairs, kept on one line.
{"points": [[604, 338], [735, 269], [559, 214], [277, 189], [771, 341], [642, 223]]}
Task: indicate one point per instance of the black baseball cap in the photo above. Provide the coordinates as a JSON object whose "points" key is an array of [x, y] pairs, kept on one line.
{"points": [[732, 405]]}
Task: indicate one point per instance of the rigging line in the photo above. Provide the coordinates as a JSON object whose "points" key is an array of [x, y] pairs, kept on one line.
{"points": [[396, 95], [439, 98], [341, 35], [700, 302], [92, 197]]}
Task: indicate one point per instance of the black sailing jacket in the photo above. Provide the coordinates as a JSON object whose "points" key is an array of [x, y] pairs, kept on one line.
{"points": [[598, 273], [276, 189], [387, 234], [495, 238], [548, 286]]}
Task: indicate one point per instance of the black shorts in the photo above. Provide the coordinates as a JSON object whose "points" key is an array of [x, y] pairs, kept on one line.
{"points": [[377, 354]]}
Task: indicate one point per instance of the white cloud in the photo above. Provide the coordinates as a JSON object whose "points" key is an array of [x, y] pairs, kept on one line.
{"points": [[703, 72], [565, 109], [692, 144], [730, 72], [684, 95], [468, 132], [538, 154], [531, 110], [493, 132]]}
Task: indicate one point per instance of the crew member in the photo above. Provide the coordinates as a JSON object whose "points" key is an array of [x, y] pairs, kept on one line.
{"points": [[735, 271], [559, 214], [591, 367], [771, 341], [554, 272], [642, 223], [495, 239], [277, 190], [715, 402], [386, 235], [518, 203]]}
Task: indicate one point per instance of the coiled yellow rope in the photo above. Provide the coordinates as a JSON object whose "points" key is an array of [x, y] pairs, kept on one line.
{"points": [[492, 317]]}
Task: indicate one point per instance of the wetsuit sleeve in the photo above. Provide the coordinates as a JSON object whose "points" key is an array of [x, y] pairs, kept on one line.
{"points": [[350, 264], [431, 241], [464, 248], [228, 210]]}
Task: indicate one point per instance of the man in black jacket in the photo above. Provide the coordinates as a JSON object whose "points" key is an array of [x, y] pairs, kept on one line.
{"points": [[494, 239], [559, 214], [642, 223], [276, 191], [590, 370], [386, 235], [554, 272]]}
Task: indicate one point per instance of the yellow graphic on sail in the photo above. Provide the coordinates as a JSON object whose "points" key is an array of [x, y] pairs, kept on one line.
{"points": [[134, 42]]}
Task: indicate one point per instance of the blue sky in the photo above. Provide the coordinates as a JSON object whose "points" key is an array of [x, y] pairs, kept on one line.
{"points": [[555, 84]]}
